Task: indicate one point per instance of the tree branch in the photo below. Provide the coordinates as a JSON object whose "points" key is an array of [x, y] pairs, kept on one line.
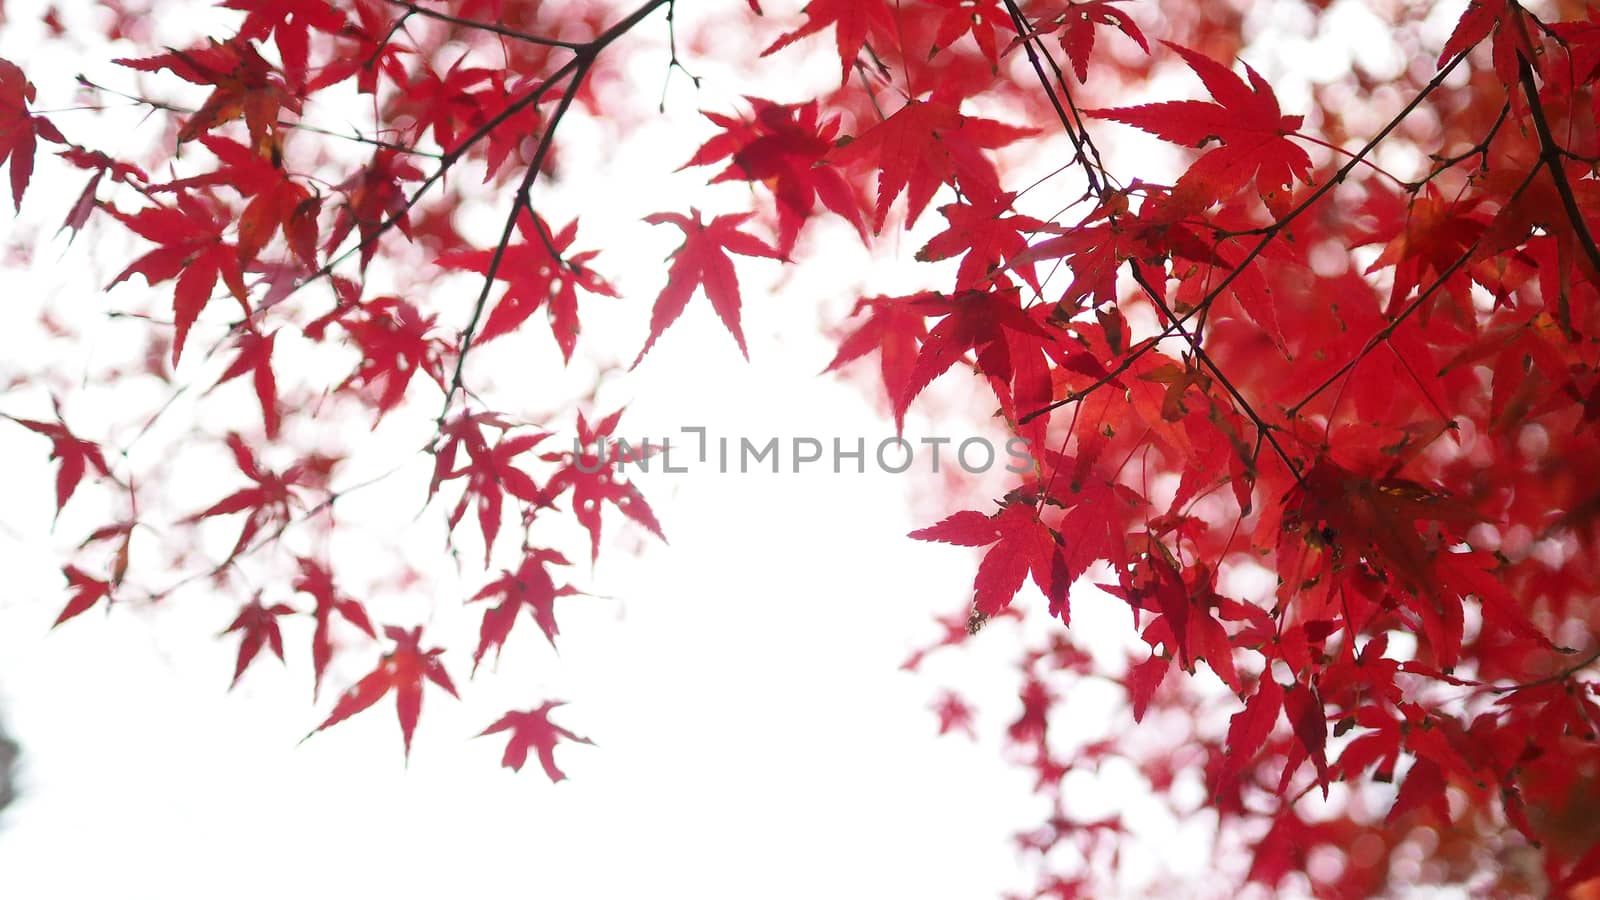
{"points": [[1384, 333], [581, 63], [587, 52], [522, 200], [492, 27], [1550, 154], [1076, 133], [1269, 232]]}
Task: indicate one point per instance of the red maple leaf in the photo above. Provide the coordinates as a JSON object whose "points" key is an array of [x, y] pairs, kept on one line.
{"points": [[533, 730], [290, 23], [466, 100], [1378, 744], [986, 239], [595, 476], [1375, 520], [954, 714], [533, 278], [255, 357], [244, 84], [1253, 131], [265, 503], [402, 670], [926, 144], [979, 18], [1511, 38], [1423, 233], [465, 429], [1249, 727], [1032, 725], [20, 129], [783, 147], [192, 251], [316, 580], [702, 261], [490, 473], [1096, 248], [373, 198], [1142, 681], [979, 321], [396, 342], [277, 204], [1309, 720], [258, 626], [87, 591], [100, 164], [530, 586], [1423, 786], [76, 455], [894, 327], [373, 50], [1023, 545], [1188, 613], [1078, 23], [854, 21]]}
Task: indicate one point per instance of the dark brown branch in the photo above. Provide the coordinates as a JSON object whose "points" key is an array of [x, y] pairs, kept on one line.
{"points": [[1550, 153], [1268, 233], [1553, 678], [522, 200], [579, 67], [1262, 428], [449, 159], [1079, 138], [1480, 149], [1422, 298]]}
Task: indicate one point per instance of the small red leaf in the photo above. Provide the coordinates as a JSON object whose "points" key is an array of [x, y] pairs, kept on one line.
{"points": [[533, 730], [258, 626], [87, 591], [1142, 681], [1248, 728], [402, 670], [702, 261]]}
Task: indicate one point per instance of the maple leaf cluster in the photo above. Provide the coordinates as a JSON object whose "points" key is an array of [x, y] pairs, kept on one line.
{"points": [[1316, 405]]}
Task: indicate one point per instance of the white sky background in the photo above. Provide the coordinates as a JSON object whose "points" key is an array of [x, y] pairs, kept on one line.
{"points": [[755, 738]]}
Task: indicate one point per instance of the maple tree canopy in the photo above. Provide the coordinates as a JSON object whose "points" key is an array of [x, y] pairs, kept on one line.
{"points": [[1309, 380]]}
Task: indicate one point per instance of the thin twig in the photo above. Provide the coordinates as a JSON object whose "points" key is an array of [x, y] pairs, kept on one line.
{"points": [[1550, 154], [1416, 304], [1268, 233], [583, 59], [270, 537], [281, 123], [492, 27], [449, 159], [673, 62], [1079, 140], [520, 201], [1554, 678], [1262, 428]]}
